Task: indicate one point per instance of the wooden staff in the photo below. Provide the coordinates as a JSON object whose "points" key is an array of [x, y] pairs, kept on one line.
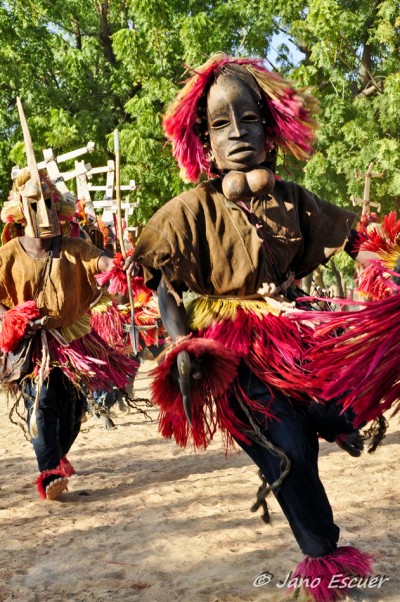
{"points": [[133, 332]]}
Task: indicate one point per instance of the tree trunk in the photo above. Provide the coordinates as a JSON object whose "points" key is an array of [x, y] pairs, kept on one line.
{"points": [[306, 283], [318, 278], [338, 279]]}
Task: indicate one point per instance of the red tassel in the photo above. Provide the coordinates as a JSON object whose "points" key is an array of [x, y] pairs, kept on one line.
{"points": [[381, 239], [327, 579], [141, 293], [66, 467], [118, 283], [375, 281], [14, 324], [149, 315], [116, 277], [219, 368]]}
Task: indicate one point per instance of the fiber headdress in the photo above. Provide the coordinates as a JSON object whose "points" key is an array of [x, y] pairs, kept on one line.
{"points": [[291, 127]]}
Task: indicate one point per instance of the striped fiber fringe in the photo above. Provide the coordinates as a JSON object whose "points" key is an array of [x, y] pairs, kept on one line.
{"points": [[90, 362], [330, 578], [79, 328], [202, 311], [270, 345], [355, 357], [219, 368], [108, 322]]}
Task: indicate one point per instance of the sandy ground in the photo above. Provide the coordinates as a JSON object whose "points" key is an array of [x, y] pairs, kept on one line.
{"points": [[150, 522]]}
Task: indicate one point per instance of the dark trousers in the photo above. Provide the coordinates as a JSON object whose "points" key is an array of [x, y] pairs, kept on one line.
{"points": [[58, 418], [301, 496]]}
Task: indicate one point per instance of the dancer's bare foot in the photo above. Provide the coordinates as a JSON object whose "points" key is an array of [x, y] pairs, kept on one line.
{"points": [[56, 487]]}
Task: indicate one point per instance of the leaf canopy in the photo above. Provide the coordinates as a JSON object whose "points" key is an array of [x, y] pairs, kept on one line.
{"points": [[85, 67]]}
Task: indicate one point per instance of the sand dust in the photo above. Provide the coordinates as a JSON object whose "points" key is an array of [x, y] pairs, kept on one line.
{"points": [[150, 522]]}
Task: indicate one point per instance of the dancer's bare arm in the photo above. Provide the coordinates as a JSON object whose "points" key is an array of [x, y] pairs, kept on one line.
{"points": [[173, 315]]}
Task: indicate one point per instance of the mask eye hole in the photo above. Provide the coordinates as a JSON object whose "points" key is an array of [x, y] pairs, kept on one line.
{"points": [[218, 124], [34, 206], [251, 118]]}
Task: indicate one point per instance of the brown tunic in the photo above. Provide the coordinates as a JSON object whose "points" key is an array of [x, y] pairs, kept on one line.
{"points": [[202, 242], [70, 286]]}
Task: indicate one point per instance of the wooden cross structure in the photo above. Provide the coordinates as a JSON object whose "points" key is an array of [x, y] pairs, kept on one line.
{"points": [[108, 203], [365, 201], [52, 165]]}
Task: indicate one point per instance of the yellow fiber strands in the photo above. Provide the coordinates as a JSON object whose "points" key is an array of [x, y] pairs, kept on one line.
{"points": [[390, 258], [202, 311], [79, 328], [102, 303]]}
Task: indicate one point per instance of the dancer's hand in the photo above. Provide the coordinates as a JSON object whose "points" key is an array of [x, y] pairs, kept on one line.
{"points": [[33, 326], [131, 267], [106, 264], [352, 443]]}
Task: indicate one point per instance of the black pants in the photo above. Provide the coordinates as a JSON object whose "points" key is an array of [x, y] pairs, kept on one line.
{"points": [[58, 418], [301, 496]]}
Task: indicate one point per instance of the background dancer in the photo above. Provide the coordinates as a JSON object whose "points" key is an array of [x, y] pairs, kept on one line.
{"points": [[51, 355]]}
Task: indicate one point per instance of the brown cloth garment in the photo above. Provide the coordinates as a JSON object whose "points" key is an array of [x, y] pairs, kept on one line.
{"points": [[202, 242], [69, 288]]}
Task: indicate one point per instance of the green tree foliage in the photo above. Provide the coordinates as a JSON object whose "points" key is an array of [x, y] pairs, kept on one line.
{"points": [[85, 67], [351, 60]]}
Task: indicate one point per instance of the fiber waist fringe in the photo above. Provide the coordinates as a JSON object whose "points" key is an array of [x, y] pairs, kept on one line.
{"points": [[270, 345], [204, 310], [88, 362]]}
